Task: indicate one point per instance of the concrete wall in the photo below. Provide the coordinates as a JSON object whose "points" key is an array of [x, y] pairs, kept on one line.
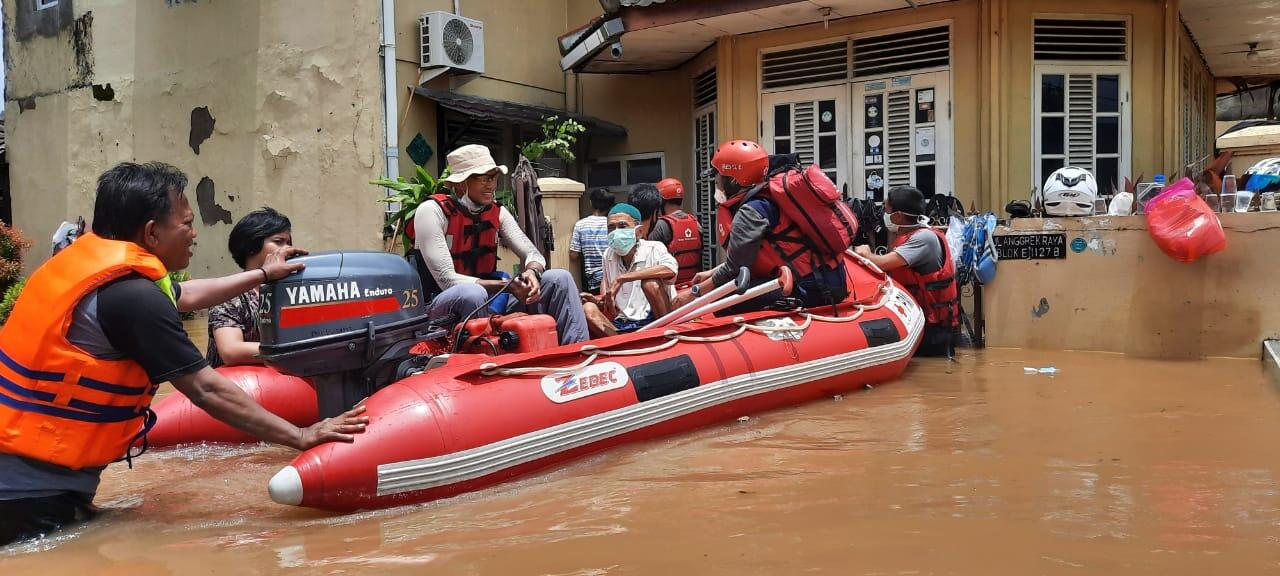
{"points": [[1122, 294], [291, 89]]}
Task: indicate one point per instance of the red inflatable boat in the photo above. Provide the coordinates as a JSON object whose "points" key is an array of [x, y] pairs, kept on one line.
{"points": [[178, 421], [445, 424]]}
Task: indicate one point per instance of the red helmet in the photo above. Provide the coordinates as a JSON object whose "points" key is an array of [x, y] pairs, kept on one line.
{"points": [[742, 160], [671, 189]]}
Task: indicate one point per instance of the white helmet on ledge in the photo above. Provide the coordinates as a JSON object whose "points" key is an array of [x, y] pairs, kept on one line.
{"points": [[1069, 191]]}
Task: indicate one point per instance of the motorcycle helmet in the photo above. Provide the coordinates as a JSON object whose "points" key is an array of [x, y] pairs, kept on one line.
{"points": [[1262, 177], [1069, 191]]}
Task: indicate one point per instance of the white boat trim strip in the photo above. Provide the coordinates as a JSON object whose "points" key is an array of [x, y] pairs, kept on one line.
{"points": [[425, 473]]}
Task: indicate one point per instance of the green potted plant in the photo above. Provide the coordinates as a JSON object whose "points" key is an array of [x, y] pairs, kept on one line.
{"points": [[410, 194], [558, 137], [13, 245], [507, 199], [10, 298]]}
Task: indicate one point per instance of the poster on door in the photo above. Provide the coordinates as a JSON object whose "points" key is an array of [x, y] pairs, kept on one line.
{"points": [[873, 111], [926, 143], [925, 106], [874, 185], [874, 149]]}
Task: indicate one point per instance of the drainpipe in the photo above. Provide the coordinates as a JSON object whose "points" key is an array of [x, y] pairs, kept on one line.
{"points": [[390, 107]]}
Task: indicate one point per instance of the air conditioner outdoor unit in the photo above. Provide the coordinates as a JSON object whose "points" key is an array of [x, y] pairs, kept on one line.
{"points": [[451, 41]]}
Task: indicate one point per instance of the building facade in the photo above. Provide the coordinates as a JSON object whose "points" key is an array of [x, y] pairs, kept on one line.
{"points": [[285, 102], [980, 99]]}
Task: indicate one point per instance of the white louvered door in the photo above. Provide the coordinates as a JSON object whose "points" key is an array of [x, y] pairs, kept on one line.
{"points": [[1082, 119], [902, 135], [812, 123], [704, 146]]}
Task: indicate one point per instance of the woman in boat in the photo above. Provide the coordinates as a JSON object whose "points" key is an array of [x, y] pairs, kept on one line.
{"points": [[233, 329]]}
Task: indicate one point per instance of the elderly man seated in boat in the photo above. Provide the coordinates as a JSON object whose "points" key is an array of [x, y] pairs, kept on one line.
{"points": [[457, 235], [636, 285]]}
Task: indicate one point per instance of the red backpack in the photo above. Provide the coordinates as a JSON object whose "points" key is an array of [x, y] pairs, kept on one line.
{"points": [[812, 202]]}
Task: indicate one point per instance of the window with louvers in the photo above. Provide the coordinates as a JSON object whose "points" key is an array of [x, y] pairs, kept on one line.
{"points": [[1081, 95], [894, 54], [704, 89], [1081, 123], [1082, 40], [803, 66]]}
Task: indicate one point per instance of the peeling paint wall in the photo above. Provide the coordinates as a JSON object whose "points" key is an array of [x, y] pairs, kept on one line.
{"points": [[272, 103]]}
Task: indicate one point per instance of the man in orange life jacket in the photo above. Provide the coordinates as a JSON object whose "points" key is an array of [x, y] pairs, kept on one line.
{"points": [[921, 262], [457, 235], [94, 334], [755, 234], [678, 230]]}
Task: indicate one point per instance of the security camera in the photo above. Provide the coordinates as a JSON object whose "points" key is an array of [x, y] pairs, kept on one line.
{"points": [[616, 50]]}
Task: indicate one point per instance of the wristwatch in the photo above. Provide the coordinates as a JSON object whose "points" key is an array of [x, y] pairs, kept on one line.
{"points": [[696, 289]]}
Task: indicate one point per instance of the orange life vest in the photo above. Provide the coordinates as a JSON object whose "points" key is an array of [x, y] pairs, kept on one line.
{"points": [[686, 245], [783, 245], [472, 238], [936, 293], [58, 404]]}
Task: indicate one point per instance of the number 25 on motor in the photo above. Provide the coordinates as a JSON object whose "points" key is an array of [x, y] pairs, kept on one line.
{"points": [[411, 299]]}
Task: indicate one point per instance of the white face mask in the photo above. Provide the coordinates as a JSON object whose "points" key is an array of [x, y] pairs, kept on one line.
{"points": [[894, 227], [720, 196]]}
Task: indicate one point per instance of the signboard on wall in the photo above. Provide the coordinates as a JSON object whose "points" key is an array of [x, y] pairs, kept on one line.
{"points": [[1031, 246]]}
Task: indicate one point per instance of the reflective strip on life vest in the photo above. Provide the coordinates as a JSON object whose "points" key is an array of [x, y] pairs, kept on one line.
{"points": [[89, 383], [83, 411]]}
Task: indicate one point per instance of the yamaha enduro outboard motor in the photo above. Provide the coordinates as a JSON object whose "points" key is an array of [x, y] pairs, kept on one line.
{"points": [[347, 322]]}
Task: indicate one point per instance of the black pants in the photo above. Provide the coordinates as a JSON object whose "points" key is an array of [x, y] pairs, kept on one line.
{"points": [[29, 518], [937, 342]]}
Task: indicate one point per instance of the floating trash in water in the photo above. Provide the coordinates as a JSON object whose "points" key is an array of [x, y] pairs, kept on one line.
{"points": [[1045, 370], [838, 397], [743, 418]]}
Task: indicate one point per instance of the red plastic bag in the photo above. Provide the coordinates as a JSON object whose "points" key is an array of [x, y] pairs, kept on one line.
{"points": [[1183, 226]]}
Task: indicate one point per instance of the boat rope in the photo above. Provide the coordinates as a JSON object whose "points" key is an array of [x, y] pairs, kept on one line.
{"points": [[592, 351], [491, 369]]}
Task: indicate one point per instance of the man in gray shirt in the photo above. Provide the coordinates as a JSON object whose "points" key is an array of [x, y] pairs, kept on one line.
{"points": [[921, 262]]}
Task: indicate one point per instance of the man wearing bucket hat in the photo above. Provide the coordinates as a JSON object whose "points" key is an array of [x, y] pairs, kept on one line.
{"points": [[458, 237]]}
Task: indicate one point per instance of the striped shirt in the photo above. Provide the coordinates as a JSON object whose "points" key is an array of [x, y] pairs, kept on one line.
{"points": [[590, 238]]}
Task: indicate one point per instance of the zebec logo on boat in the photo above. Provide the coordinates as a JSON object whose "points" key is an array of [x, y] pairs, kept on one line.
{"points": [[593, 379]]}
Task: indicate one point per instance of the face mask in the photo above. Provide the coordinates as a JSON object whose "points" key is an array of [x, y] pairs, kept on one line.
{"points": [[622, 240], [894, 227], [719, 195]]}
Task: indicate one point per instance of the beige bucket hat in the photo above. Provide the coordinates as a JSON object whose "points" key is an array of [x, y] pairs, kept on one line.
{"points": [[470, 160]]}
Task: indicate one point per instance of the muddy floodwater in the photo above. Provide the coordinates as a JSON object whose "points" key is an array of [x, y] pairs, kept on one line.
{"points": [[1112, 466]]}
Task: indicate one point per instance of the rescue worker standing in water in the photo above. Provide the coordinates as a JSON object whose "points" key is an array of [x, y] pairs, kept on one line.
{"points": [[94, 334], [920, 261]]}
